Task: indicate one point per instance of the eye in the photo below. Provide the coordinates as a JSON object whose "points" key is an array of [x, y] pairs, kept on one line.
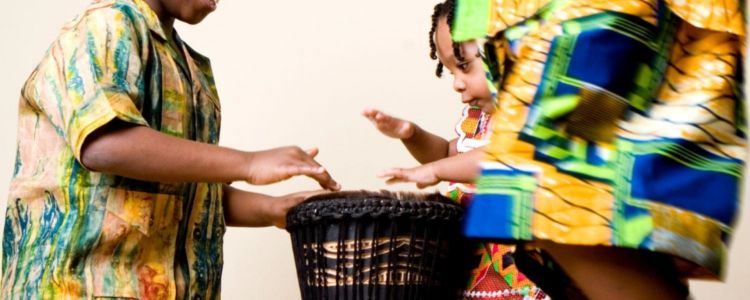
{"points": [[463, 66]]}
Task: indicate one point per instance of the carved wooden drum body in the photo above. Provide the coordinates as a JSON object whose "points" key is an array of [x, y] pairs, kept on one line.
{"points": [[377, 245]]}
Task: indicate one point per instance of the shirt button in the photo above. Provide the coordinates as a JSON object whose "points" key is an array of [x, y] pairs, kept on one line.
{"points": [[197, 234]]}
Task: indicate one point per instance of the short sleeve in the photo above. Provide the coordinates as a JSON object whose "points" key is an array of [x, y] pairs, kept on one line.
{"points": [[92, 75]]}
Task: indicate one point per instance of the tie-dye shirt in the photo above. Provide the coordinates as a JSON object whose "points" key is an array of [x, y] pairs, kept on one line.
{"points": [[74, 233]]}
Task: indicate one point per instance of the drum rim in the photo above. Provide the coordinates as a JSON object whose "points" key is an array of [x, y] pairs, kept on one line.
{"points": [[353, 205]]}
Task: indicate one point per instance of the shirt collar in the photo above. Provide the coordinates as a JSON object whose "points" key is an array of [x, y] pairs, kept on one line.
{"points": [[152, 20]]}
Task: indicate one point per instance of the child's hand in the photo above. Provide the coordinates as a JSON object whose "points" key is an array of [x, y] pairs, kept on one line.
{"points": [[423, 176], [274, 165], [278, 207], [388, 125]]}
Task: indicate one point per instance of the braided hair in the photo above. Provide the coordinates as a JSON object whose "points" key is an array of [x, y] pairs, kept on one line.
{"points": [[445, 9]]}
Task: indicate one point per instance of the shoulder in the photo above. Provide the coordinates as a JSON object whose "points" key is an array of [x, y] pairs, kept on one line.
{"points": [[121, 17]]}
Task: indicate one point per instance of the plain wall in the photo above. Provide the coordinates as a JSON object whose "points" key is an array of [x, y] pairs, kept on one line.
{"points": [[299, 72]]}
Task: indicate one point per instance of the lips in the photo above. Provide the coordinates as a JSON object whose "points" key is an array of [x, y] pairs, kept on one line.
{"points": [[471, 102]]}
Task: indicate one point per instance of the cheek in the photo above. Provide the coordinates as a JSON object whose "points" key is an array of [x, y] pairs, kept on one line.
{"points": [[479, 85]]}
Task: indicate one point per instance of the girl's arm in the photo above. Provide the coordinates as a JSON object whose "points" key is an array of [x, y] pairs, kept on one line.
{"points": [[463, 167], [142, 153], [424, 146]]}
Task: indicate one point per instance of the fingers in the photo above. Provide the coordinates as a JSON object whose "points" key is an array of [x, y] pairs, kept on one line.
{"points": [[376, 116], [301, 196], [394, 176], [371, 114], [293, 161], [312, 152], [283, 204], [416, 175], [395, 172], [319, 174], [305, 170], [326, 181]]}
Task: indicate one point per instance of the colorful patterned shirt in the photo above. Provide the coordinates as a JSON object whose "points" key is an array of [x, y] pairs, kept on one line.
{"points": [[495, 275], [619, 123], [74, 233]]}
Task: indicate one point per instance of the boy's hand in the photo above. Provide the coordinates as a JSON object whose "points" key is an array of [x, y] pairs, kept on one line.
{"points": [[274, 165], [388, 125], [277, 207], [423, 176]]}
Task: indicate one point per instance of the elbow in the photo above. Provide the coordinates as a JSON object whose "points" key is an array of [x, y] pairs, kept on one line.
{"points": [[103, 149], [95, 155]]}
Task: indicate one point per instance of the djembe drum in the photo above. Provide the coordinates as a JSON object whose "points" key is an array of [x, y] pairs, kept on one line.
{"points": [[377, 245]]}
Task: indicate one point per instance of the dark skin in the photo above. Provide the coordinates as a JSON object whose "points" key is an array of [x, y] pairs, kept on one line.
{"points": [[616, 273], [439, 157], [143, 153]]}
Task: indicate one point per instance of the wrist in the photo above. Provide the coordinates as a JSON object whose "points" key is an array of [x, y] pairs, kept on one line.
{"points": [[245, 168], [266, 207], [434, 172]]}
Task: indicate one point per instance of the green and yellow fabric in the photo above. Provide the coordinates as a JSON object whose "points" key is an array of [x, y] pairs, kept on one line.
{"points": [[75, 233], [619, 123]]}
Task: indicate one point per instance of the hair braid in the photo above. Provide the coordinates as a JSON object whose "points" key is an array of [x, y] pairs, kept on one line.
{"points": [[445, 9]]}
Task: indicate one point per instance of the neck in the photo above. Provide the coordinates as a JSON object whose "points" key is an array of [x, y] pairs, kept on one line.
{"points": [[167, 20]]}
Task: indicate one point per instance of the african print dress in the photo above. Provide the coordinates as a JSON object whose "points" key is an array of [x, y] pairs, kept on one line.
{"points": [[496, 276], [619, 123]]}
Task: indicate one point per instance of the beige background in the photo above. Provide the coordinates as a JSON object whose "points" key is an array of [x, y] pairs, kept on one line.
{"points": [[298, 72]]}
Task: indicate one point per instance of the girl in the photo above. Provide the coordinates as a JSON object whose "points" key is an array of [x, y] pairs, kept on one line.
{"points": [[494, 275], [119, 189]]}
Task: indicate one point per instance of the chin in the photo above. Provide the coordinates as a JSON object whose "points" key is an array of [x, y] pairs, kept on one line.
{"points": [[194, 19]]}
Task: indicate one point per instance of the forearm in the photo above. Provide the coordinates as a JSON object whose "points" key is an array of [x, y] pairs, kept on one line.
{"points": [[462, 167], [245, 209], [426, 147], [142, 153]]}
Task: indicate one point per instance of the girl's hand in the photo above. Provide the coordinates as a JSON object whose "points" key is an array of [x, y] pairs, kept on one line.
{"points": [[423, 176], [388, 125], [276, 208], [274, 165]]}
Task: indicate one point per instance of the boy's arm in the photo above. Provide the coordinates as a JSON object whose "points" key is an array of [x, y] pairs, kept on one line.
{"points": [[463, 167], [143, 153], [248, 209]]}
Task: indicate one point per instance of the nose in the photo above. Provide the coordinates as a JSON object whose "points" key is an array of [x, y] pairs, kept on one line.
{"points": [[458, 84]]}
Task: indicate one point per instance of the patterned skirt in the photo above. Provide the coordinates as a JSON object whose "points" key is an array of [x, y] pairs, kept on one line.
{"points": [[494, 275]]}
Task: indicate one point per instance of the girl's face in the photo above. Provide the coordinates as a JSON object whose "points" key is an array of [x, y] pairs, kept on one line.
{"points": [[469, 77], [188, 11]]}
